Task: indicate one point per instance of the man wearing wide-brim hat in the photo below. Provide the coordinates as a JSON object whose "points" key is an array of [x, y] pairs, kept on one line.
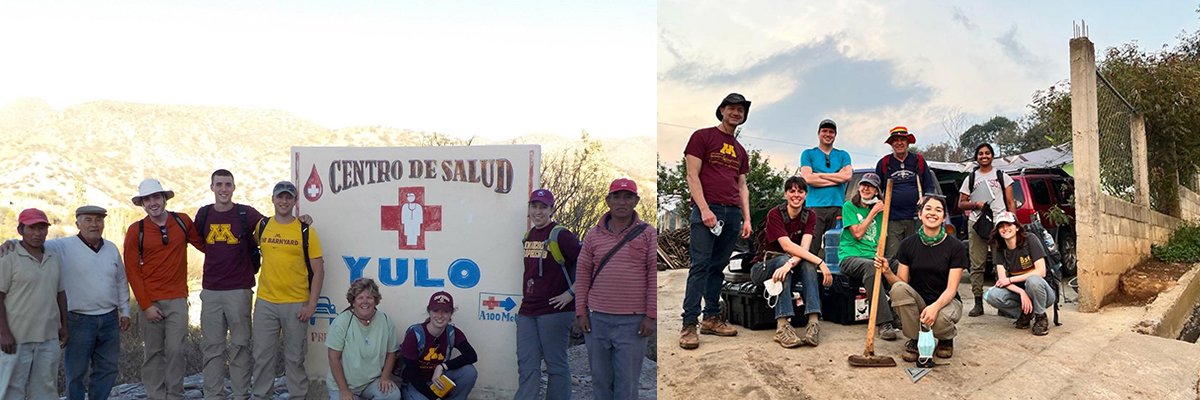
{"points": [[156, 265], [33, 328], [910, 177]]}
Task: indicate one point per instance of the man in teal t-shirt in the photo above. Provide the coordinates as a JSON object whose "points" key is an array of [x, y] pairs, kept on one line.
{"points": [[826, 170], [862, 217]]}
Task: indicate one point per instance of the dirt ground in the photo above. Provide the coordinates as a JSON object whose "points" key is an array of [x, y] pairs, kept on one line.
{"points": [[1091, 356]]}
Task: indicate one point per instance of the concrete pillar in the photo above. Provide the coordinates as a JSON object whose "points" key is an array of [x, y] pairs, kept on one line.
{"points": [[1141, 173], [1085, 148]]}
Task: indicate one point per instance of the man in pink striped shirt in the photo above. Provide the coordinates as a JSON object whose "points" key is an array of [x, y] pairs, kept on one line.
{"points": [[615, 287]]}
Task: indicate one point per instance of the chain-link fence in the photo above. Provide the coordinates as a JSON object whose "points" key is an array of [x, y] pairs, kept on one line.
{"points": [[1116, 153]]}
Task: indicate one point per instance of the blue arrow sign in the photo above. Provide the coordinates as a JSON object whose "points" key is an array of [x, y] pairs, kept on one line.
{"points": [[508, 304]]}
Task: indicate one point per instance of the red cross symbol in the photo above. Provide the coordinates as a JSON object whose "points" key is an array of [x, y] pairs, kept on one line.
{"points": [[491, 303], [392, 218]]}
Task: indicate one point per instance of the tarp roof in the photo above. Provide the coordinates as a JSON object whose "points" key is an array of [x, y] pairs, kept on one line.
{"points": [[1047, 158]]}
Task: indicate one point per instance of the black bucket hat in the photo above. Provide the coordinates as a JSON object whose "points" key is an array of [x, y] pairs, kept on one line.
{"points": [[734, 98]]}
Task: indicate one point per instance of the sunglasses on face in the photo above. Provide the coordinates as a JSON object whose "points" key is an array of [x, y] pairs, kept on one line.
{"points": [[163, 230]]}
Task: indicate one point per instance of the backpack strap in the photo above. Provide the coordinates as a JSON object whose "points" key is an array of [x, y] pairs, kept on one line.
{"points": [[1000, 180], [142, 236], [419, 333], [304, 244], [202, 220], [179, 221]]}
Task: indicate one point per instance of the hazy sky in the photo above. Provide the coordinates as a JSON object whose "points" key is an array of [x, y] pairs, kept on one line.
{"points": [[496, 69], [873, 65]]}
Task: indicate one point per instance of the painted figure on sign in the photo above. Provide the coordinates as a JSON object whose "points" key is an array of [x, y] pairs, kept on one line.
{"points": [[412, 215]]}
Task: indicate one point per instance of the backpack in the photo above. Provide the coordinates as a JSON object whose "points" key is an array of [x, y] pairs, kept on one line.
{"points": [[758, 244], [142, 235], [247, 232], [551, 245], [1053, 263], [419, 333], [984, 225], [921, 166], [262, 227]]}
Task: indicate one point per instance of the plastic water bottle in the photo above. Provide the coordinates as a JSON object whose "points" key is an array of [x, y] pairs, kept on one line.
{"points": [[830, 239]]}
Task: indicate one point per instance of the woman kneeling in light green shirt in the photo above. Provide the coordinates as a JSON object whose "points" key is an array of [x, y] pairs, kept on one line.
{"points": [[362, 348]]}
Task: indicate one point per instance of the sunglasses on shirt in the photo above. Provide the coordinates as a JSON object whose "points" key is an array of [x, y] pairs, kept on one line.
{"points": [[163, 229]]}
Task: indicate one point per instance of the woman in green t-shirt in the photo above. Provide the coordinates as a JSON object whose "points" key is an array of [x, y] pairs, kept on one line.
{"points": [[862, 217], [362, 348]]}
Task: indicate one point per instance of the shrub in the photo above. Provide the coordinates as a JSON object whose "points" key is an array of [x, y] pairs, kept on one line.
{"points": [[1182, 247]]}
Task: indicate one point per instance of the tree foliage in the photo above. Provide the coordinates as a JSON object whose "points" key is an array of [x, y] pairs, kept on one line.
{"points": [[579, 177], [764, 183]]}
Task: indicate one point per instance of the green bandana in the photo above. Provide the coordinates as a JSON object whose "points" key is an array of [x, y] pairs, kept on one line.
{"points": [[932, 240]]}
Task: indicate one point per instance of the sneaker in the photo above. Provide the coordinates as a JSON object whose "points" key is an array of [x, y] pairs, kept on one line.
{"points": [[978, 310], [812, 334], [888, 332], [1003, 313], [1022, 322], [944, 349], [688, 338], [1041, 325], [786, 337], [715, 326], [910, 351]]}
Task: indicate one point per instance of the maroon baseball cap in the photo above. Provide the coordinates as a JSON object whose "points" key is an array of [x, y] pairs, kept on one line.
{"points": [[441, 301], [30, 216], [543, 196], [620, 184]]}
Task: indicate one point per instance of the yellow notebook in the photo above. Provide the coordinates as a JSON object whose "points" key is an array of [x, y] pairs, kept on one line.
{"points": [[447, 386]]}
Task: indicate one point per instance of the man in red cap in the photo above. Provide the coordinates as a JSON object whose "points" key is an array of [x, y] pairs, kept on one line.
{"points": [[616, 285], [33, 309], [716, 177], [910, 178]]}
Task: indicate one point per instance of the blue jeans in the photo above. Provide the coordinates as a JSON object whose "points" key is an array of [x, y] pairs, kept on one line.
{"points": [[811, 292], [709, 254], [615, 353], [95, 340], [464, 380], [544, 337]]}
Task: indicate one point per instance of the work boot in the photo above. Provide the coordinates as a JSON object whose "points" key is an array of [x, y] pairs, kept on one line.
{"points": [[978, 309], [888, 331], [944, 349], [1022, 322], [812, 334], [715, 326], [910, 351], [786, 336], [1041, 325], [688, 338]]}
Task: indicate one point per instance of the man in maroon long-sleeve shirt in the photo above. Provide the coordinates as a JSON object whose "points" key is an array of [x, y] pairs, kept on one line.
{"points": [[615, 300]]}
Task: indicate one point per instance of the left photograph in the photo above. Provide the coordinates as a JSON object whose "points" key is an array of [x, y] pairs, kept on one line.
{"points": [[328, 201]]}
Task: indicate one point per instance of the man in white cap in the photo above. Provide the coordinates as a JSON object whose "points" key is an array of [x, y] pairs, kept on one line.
{"points": [[32, 326], [288, 289], [156, 265]]}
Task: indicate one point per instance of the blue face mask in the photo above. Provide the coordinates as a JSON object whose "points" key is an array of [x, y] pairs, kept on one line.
{"points": [[925, 345]]}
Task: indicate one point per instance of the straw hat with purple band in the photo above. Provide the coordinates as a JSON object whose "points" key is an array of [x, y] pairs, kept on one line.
{"points": [[625, 184], [282, 187], [149, 187], [542, 196], [900, 132], [734, 98], [870, 179], [1005, 216], [30, 216], [441, 301]]}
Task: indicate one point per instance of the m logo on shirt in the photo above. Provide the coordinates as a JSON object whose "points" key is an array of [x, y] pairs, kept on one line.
{"points": [[433, 355], [727, 149], [221, 233], [1026, 261]]}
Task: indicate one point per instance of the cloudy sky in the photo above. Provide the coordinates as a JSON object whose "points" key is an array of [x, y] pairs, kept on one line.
{"points": [[873, 65], [466, 68]]}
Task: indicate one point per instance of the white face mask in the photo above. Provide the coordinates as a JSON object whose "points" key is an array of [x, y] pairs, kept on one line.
{"points": [[773, 289], [872, 200]]}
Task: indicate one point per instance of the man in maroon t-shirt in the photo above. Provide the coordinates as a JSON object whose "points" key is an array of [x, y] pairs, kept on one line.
{"points": [[786, 244], [716, 176]]}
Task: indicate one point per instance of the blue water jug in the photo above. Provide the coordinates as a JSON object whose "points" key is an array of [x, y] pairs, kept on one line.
{"points": [[830, 239]]}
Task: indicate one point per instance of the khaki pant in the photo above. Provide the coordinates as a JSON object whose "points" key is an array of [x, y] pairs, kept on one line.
{"points": [[226, 311], [897, 231], [908, 304], [978, 252], [162, 369], [269, 319], [31, 372]]}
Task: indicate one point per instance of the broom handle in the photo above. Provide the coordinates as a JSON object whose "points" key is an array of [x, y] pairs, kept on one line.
{"points": [[887, 203]]}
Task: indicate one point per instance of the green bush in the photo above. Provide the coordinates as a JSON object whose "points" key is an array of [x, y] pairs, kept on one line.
{"points": [[1182, 247]]}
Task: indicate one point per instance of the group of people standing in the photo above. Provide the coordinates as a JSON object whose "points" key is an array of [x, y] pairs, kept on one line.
{"points": [[921, 267]]}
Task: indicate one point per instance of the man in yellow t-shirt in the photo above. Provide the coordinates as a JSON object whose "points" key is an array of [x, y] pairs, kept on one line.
{"points": [[288, 288]]}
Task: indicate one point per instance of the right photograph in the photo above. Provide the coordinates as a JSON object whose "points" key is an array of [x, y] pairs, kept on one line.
{"points": [[959, 200]]}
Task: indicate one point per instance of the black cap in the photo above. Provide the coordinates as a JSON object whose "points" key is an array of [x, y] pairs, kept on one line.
{"points": [[733, 98], [827, 122]]}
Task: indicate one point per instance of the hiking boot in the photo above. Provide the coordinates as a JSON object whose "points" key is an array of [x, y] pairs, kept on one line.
{"points": [[688, 338], [944, 349], [978, 309], [910, 351], [1041, 325], [1022, 322], [812, 334], [1004, 313], [715, 326], [786, 337], [888, 332]]}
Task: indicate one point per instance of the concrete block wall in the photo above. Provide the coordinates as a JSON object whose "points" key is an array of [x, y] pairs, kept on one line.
{"points": [[1189, 204], [1124, 233]]}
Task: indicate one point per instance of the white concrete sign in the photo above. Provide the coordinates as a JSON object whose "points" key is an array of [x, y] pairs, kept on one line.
{"points": [[419, 220]]}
